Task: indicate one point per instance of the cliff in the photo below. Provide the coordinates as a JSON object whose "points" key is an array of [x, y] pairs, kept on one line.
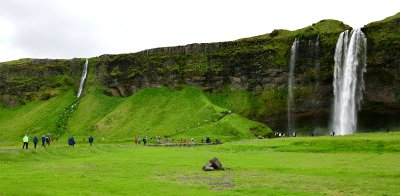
{"points": [[255, 67]]}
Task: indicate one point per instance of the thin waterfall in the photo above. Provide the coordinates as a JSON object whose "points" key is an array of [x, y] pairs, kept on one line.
{"points": [[83, 78], [317, 61], [348, 83], [290, 101]]}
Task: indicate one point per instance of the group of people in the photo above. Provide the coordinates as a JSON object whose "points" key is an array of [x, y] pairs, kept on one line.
{"points": [[71, 141], [138, 139], [45, 141], [279, 134]]}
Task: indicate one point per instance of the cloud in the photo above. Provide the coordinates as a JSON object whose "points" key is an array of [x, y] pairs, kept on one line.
{"points": [[47, 30], [76, 28]]}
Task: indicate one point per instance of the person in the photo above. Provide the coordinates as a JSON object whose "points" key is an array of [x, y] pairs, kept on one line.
{"points": [[71, 141], [136, 139], [48, 140], [43, 141], [139, 140], [25, 139], [294, 134], [208, 140], [91, 140], [35, 141], [144, 141]]}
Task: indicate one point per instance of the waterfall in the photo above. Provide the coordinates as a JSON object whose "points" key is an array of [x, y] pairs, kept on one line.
{"points": [[348, 83], [83, 78], [317, 61], [290, 101]]}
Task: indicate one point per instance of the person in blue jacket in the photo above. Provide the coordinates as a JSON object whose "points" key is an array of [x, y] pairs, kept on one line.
{"points": [[71, 141], [35, 141], [91, 140]]}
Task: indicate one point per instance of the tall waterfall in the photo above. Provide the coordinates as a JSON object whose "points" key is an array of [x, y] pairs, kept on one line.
{"points": [[83, 78], [348, 84], [290, 100], [317, 61]]}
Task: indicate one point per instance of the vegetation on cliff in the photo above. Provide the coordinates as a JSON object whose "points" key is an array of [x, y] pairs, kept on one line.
{"points": [[199, 82]]}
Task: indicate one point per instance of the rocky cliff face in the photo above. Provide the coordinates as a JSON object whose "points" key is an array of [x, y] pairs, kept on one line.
{"points": [[32, 79], [258, 65]]}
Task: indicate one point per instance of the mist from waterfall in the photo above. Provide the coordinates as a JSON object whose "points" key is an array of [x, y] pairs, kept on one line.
{"points": [[83, 78], [290, 99], [348, 83]]}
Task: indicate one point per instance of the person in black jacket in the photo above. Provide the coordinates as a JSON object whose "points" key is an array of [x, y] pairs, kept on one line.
{"points": [[43, 141], [35, 141]]}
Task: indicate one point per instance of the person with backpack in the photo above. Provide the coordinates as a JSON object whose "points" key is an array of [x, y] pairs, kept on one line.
{"points": [[48, 139], [35, 141], [25, 139]]}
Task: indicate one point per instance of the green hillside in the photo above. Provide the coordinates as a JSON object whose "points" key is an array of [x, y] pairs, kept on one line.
{"points": [[37, 117], [150, 112]]}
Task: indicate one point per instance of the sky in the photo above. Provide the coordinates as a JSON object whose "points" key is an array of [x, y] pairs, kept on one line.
{"points": [[88, 28]]}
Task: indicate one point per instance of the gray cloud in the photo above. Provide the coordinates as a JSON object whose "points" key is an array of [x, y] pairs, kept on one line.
{"points": [[45, 29]]}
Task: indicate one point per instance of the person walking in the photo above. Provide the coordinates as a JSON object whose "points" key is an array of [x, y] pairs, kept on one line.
{"points": [[43, 141], [71, 141], [139, 140], [35, 141], [48, 139], [144, 141], [91, 140], [136, 139], [25, 139]]}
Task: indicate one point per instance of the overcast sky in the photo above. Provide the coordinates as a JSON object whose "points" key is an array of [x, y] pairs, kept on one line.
{"points": [[82, 28]]}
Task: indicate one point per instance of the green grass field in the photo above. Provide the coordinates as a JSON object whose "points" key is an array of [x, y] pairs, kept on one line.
{"points": [[361, 164]]}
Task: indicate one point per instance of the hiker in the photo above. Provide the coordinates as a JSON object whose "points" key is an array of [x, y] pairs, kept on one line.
{"points": [[139, 140], [144, 141], [35, 141], [202, 140], [48, 140], [43, 141], [294, 134], [136, 139], [91, 140], [71, 141], [208, 140], [25, 139]]}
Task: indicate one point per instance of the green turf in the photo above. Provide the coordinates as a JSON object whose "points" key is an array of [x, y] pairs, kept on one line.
{"points": [[284, 166], [150, 112], [37, 117]]}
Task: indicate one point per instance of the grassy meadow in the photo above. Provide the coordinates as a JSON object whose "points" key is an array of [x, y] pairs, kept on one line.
{"points": [[360, 164]]}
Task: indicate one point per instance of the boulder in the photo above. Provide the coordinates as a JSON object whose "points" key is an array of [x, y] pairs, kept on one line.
{"points": [[213, 164]]}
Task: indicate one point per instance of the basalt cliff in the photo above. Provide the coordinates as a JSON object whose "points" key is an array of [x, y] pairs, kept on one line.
{"points": [[257, 66]]}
